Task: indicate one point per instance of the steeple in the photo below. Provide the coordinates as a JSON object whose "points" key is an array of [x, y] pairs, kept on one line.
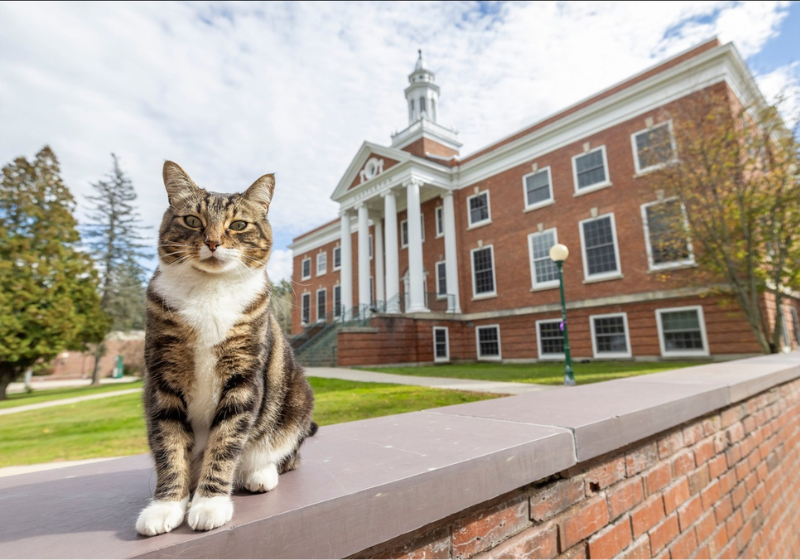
{"points": [[422, 95]]}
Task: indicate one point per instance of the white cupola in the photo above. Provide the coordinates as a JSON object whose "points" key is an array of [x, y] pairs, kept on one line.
{"points": [[422, 95]]}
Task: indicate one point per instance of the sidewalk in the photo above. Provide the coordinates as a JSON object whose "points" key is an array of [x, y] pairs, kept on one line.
{"points": [[474, 385], [37, 385]]}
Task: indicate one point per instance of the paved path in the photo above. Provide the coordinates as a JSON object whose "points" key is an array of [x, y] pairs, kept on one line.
{"points": [[60, 402], [23, 469], [19, 387], [474, 385]]}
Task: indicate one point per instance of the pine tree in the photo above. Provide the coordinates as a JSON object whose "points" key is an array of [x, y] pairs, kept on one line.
{"points": [[113, 234], [48, 287]]}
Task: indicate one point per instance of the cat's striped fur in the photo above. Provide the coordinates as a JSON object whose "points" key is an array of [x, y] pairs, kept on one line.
{"points": [[226, 404]]}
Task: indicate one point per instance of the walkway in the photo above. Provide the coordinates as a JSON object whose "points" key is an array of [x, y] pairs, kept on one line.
{"points": [[40, 385], [474, 385], [60, 402]]}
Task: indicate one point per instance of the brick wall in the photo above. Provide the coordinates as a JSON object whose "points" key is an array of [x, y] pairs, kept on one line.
{"points": [[721, 486]]}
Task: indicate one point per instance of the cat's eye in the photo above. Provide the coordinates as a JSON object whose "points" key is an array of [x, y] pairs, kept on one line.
{"points": [[192, 221], [238, 225]]}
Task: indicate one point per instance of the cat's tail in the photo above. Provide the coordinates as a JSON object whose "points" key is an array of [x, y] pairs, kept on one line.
{"points": [[312, 430]]}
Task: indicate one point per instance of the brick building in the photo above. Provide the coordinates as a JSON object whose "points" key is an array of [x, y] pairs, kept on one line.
{"points": [[447, 256]]}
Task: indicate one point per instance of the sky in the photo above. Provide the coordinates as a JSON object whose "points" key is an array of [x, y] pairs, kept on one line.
{"points": [[232, 91]]}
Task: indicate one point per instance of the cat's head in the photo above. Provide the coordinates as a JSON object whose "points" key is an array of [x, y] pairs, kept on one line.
{"points": [[215, 232]]}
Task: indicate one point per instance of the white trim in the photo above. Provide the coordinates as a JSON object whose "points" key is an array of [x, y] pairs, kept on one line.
{"points": [[478, 344], [488, 220], [302, 268], [600, 355], [446, 343], [403, 242], [439, 211], [324, 310], [646, 227], [436, 266], [605, 275], [534, 284], [334, 268], [682, 353], [302, 308], [595, 186], [325, 271], [422, 230], [483, 295], [546, 202], [541, 355], [333, 303], [639, 170]]}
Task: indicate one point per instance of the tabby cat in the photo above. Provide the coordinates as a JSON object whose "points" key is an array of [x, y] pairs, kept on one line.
{"points": [[226, 404]]}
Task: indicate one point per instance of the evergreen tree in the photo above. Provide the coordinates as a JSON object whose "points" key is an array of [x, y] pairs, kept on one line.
{"points": [[48, 287]]}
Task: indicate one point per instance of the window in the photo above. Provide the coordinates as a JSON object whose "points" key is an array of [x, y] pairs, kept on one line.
{"points": [[441, 345], [306, 269], [538, 191], [371, 291], [544, 272], [422, 107], [370, 246], [337, 258], [483, 272], [337, 301], [404, 231], [488, 341], [550, 339], [653, 148], [306, 309], [479, 211], [600, 251], [439, 221], [665, 234], [590, 170], [322, 296], [441, 279], [322, 263], [682, 331], [795, 325], [610, 335]]}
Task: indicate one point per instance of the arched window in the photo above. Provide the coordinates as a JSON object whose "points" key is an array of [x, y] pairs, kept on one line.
{"points": [[411, 110], [422, 108]]}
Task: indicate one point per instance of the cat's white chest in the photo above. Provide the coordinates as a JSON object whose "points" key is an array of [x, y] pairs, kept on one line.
{"points": [[211, 306]]}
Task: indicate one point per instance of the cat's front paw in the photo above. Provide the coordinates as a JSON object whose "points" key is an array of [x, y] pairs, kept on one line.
{"points": [[263, 480], [161, 516], [210, 513]]}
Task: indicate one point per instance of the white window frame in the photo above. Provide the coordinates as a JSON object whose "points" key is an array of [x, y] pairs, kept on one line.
{"points": [[542, 356], [487, 221], [322, 319], [611, 355], [640, 171], [335, 288], [534, 284], [369, 240], [302, 268], [499, 356], [438, 295], [547, 202], [485, 295], [325, 269], [605, 275], [333, 257], [404, 245], [302, 308], [683, 353], [646, 226], [436, 358], [439, 213], [596, 186]]}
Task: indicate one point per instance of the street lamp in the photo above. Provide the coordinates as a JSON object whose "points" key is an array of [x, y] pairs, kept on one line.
{"points": [[559, 253]]}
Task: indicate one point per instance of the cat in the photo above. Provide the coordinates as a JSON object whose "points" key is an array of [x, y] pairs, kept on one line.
{"points": [[226, 404]]}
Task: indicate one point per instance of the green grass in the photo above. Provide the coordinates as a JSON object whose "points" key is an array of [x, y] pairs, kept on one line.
{"points": [[44, 395], [114, 426], [551, 373]]}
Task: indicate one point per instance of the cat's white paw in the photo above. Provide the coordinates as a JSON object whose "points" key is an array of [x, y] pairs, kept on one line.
{"points": [[263, 480], [210, 513], [161, 516]]}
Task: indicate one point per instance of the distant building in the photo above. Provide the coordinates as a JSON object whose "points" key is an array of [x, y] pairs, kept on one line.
{"points": [[129, 345], [449, 255]]}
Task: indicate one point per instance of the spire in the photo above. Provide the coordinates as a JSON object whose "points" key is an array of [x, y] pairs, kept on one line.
{"points": [[420, 63], [422, 95]]}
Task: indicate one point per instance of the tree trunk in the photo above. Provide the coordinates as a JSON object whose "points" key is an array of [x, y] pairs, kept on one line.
{"points": [[99, 351], [7, 375]]}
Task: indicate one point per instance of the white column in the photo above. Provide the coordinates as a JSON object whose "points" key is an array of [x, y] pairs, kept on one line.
{"points": [[392, 254], [363, 256], [415, 269], [347, 266], [380, 295], [450, 257]]}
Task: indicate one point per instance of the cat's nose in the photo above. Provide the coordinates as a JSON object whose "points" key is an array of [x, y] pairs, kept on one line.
{"points": [[212, 244]]}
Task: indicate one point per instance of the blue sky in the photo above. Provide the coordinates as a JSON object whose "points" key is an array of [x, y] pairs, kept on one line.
{"points": [[232, 91]]}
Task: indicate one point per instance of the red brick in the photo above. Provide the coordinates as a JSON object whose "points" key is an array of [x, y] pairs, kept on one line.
{"points": [[711, 425], [484, 529], [734, 523], [723, 509], [717, 466], [741, 470], [536, 542], [675, 495], [733, 455], [555, 498], [751, 482], [727, 481], [670, 444], [717, 542], [705, 526], [641, 459], [577, 552], [698, 480], [647, 515], [611, 541], [731, 416], [692, 434], [682, 463], [701, 554], [704, 451], [434, 544], [590, 517], [684, 545], [729, 552], [662, 534], [710, 495], [690, 512], [658, 478], [605, 475], [738, 495], [624, 496]]}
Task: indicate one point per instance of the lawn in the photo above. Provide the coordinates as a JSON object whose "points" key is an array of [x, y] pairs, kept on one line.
{"points": [[546, 373], [44, 395], [114, 426]]}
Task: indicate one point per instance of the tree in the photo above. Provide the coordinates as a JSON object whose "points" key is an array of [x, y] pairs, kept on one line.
{"points": [[736, 173], [48, 287], [282, 304], [113, 236]]}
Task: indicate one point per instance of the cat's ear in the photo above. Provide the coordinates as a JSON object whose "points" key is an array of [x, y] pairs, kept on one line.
{"points": [[261, 191], [177, 182]]}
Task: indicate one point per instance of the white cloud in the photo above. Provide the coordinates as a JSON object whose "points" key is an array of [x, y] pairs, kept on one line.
{"points": [[782, 86], [279, 266], [231, 91]]}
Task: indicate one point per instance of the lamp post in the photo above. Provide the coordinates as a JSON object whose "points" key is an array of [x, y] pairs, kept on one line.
{"points": [[558, 254]]}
